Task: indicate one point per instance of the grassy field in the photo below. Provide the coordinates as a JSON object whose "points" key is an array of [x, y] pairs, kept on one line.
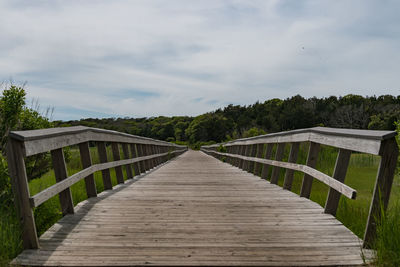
{"points": [[353, 213]]}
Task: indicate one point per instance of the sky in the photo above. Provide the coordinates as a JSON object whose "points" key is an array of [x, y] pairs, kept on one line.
{"points": [[147, 58]]}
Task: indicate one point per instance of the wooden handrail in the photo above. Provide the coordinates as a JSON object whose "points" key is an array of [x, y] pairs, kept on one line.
{"points": [[326, 179], [381, 143], [141, 153], [43, 140], [365, 141]]}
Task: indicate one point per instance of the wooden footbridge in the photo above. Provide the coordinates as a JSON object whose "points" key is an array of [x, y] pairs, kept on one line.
{"points": [[182, 207]]}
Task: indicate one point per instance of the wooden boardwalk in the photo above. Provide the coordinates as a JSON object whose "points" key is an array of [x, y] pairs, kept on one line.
{"points": [[196, 210]]}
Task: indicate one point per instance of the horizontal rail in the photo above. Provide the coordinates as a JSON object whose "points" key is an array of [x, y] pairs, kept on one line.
{"points": [[140, 154], [365, 141], [326, 179], [242, 152], [43, 140], [53, 190]]}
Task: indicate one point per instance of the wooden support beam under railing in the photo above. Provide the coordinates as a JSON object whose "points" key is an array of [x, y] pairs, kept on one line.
{"points": [[60, 172], [102, 151], [86, 160]]}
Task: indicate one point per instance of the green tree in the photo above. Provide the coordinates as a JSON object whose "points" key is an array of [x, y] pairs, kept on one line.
{"points": [[12, 103]]}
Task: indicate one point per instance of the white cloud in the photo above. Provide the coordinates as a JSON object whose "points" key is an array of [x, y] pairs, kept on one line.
{"points": [[97, 55]]}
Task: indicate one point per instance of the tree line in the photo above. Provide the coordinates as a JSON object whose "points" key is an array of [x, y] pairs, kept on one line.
{"points": [[274, 115]]}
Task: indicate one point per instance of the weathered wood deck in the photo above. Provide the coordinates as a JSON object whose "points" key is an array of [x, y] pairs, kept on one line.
{"points": [[196, 210]]}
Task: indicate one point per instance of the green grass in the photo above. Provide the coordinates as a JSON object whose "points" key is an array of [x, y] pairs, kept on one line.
{"points": [[388, 241]]}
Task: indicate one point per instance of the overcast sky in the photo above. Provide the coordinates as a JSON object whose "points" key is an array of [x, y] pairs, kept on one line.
{"points": [[149, 58]]}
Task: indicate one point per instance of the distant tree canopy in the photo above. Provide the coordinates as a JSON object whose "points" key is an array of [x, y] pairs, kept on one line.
{"points": [[274, 115]]}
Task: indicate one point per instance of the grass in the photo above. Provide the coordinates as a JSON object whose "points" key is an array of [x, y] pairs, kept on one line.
{"points": [[352, 213]]}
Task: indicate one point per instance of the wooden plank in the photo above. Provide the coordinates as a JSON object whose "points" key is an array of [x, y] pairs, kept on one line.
{"points": [[197, 210], [383, 185], [268, 155], [311, 162], [19, 180], [339, 173], [60, 172], [101, 150], [294, 150], [86, 160], [278, 157]]}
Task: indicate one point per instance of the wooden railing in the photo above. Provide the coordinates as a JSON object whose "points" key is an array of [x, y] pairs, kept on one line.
{"points": [[140, 153], [254, 155]]}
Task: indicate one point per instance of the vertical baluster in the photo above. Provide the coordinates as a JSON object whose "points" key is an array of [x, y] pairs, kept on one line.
{"points": [[257, 169], [60, 172], [116, 157], [233, 153], [253, 151], [242, 152], [136, 167], [311, 162], [247, 149], [268, 155], [86, 160], [278, 157], [342, 162], [228, 151], [128, 167], [17, 171], [152, 161], [156, 160], [389, 152], [141, 154], [102, 151], [294, 151]]}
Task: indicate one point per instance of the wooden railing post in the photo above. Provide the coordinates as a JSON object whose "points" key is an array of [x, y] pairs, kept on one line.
{"points": [[60, 172], [257, 169], [278, 156], [341, 165], [17, 171], [236, 152], [152, 161], [294, 150], [253, 151], [141, 154], [311, 162], [246, 153], [268, 155], [389, 152], [242, 152], [102, 151], [228, 151], [86, 160], [116, 157], [136, 167], [128, 167], [156, 151]]}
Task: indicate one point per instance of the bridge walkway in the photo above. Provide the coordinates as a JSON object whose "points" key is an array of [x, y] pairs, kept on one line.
{"points": [[197, 210]]}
